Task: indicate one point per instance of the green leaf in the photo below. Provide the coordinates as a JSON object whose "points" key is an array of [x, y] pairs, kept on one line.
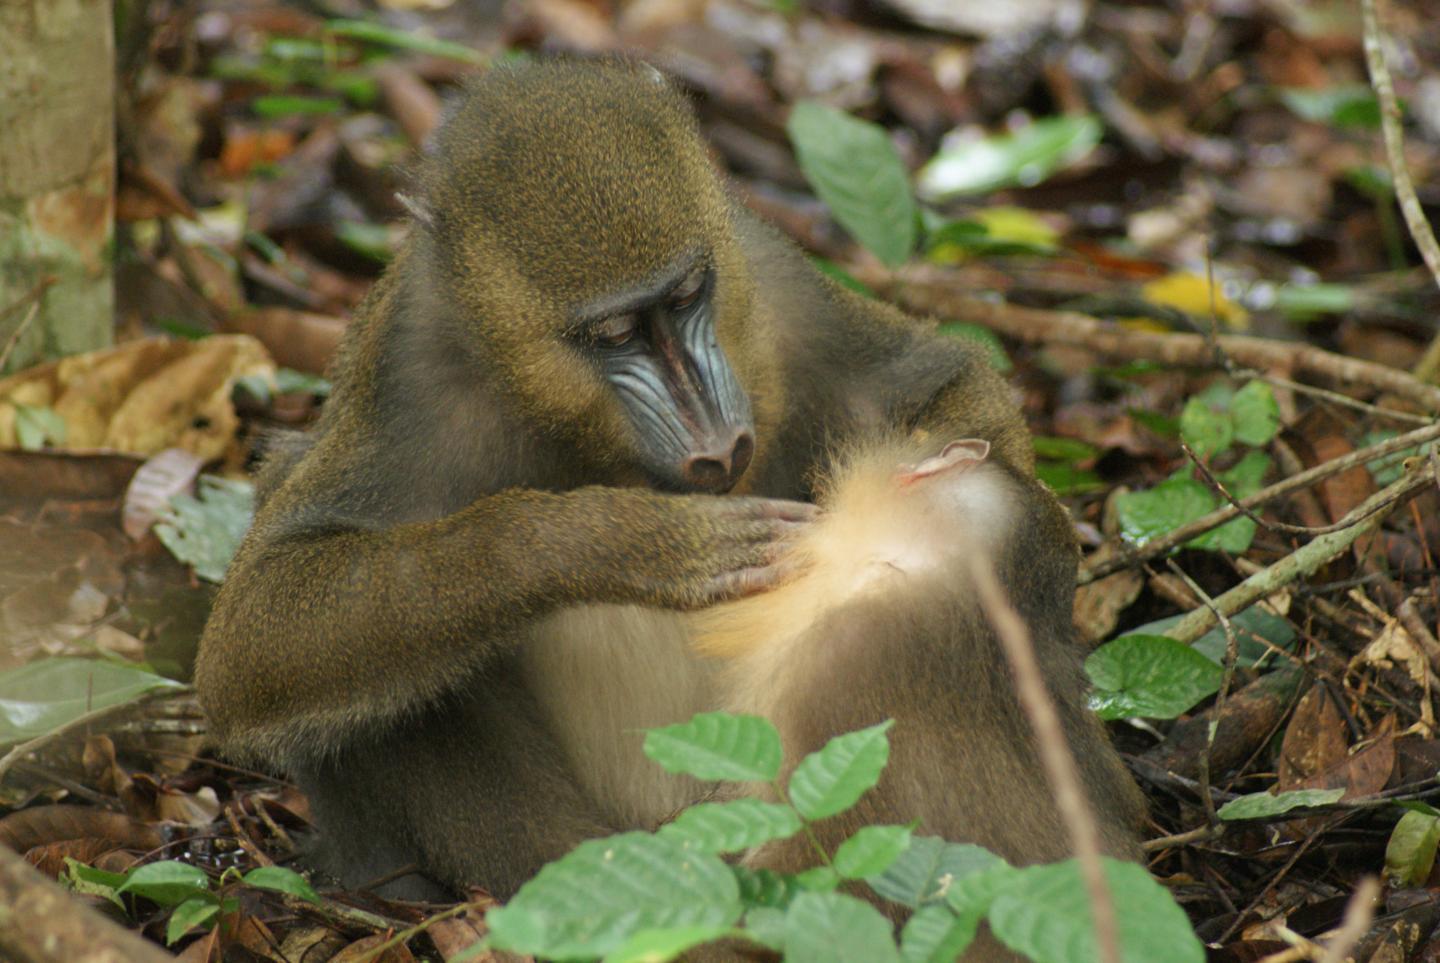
{"points": [[1410, 853], [1204, 429], [832, 780], [926, 870], [368, 240], [857, 172], [272, 106], [936, 935], [718, 745], [871, 851], [288, 381], [1149, 676], [1162, 509], [194, 912], [764, 887], [1349, 105], [1388, 469], [168, 882], [90, 881], [1063, 449], [766, 925], [818, 879], [1262, 805], [206, 532], [1305, 302], [1253, 628], [590, 902], [1255, 413], [1044, 913], [38, 425], [835, 928], [41, 696], [970, 896], [1244, 478], [1023, 159], [369, 31], [1067, 479], [983, 336], [660, 946], [281, 880], [729, 827]]}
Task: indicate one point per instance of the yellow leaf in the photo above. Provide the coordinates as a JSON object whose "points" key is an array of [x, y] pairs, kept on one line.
{"points": [[1196, 296]]}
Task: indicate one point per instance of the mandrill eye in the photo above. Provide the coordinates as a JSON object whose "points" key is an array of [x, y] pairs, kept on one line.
{"points": [[687, 292], [615, 331]]}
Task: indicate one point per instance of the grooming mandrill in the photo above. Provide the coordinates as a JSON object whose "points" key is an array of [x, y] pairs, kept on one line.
{"points": [[592, 394]]}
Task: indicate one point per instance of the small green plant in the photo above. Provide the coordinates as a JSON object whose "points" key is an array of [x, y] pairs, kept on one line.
{"points": [[194, 899], [650, 896], [1217, 424]]}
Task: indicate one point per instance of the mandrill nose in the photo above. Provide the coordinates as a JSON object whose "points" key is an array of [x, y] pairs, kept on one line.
{"points": [[716, 471]]}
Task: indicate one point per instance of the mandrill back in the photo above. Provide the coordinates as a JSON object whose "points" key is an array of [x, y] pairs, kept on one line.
{"points": [[882, 623]]}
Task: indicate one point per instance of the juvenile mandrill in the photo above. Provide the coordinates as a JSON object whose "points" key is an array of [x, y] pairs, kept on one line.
{"points": [[591, 395]]}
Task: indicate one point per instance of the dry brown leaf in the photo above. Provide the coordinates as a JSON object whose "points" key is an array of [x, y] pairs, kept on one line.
{"points": [[361, 950], [142, 396], [1315, 740], [41, 825]]}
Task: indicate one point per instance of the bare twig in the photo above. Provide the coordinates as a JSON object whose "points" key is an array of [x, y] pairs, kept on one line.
{"points": [[929, 290], [1179, 536], [32, 299], [1358, 914], [1055, 755]]}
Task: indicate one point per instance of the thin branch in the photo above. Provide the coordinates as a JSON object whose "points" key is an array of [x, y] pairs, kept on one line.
{"points": [[1179, 536], [1055, 754], [1303, 561]]}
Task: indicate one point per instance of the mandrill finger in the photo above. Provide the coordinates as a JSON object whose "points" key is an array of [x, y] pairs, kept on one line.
{"points": [[745, 582], [780, 509]]}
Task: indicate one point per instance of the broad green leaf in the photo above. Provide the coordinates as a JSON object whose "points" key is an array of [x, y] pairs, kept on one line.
{"points": [[819, 879], [1261, 805], [288, 381], [936, 935], [1241, 480], [206, 532], [1024, 158], [90, 881], [718, 745], [766, 925], [1207, 431], [1253, 628], [728, 827], [970, 896], [271, 106], [1387, 470], [1167, 506], [1149, 676], [831, 780], [1255, 413], [1234, 537], [983, 336], [1416, 806], [857, 172], [194, 912], [871, 851], [41, 696], [1410, 853], [1349, 105], [835, 928], [374, 241], [1244, 478], [590, 902], [1067, 479], [168, 882], [1044, 913], [37, 426], [764, 887], [660, 946], [926, 870], [281, 880], [369, 31]]}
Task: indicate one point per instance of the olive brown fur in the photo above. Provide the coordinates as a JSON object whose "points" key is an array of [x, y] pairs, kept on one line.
{"points": [[590, 395]]}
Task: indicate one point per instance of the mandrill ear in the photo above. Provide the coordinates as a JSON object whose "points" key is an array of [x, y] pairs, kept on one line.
{"points": [[418, 209]]}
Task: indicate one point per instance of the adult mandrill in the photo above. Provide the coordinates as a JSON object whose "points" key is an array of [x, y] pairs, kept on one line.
{"points": [[590, 393]]}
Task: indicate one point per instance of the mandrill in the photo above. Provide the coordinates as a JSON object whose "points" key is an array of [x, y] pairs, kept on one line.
{"points": [[591, 398]]}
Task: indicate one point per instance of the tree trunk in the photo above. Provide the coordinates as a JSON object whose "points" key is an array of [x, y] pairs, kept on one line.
{"points": [[57, 178]]}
